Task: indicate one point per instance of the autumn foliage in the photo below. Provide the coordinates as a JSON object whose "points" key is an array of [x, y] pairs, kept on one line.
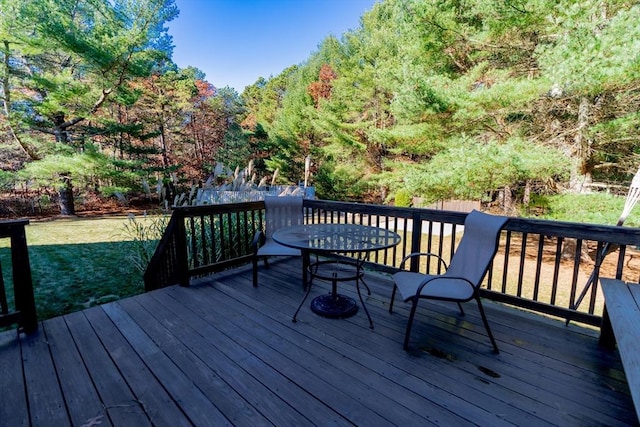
{"points": [[321, 89]]}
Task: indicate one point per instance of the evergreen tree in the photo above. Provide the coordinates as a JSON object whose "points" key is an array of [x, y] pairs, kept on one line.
{"points": [[67, 59]]}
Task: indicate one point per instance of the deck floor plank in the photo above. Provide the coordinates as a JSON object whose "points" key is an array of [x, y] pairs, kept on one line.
{"points": [[285, 392], [222, 352], [448, 375], [568, 373], [156, 402], [309, 368], [553, 376], [197, 407], [367, 352], [120, 403], [81, 397], [46, 402], [566, 394], [565, 401], [233, 389], [13, 399]]}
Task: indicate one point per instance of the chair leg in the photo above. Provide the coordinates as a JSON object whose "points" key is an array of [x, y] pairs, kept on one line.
{"points": [[393, 296], [366, 286], [486, 325], [306, 262], [460, 307], [255, 271], [414, 306]]}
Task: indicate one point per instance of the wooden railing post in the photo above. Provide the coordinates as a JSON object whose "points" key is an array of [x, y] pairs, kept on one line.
{"points": [[181, 250], [25, 308], [23, 283]]}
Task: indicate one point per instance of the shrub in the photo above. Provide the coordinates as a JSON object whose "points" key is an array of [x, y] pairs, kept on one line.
{"points": [[595, 208], [403, 198], [145, 234]]}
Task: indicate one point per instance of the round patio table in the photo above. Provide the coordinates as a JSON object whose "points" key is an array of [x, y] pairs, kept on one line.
{"points": [[329, 240]]}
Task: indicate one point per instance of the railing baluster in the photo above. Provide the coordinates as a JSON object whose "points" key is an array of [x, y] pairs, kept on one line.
{"points": [[454, 232], [429, 249], [212, 238], [193, 242], [247, 234], [204, 240], [576, 270], [234, 229], [405, 240], [505, 266], [416, 234], [441, 246], [620, 265], [523, 257], [556, 271], [536, 281], [594, 286]]}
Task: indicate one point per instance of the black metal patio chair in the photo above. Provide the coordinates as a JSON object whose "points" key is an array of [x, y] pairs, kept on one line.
{"points": [[280, 212], [461, 280]]}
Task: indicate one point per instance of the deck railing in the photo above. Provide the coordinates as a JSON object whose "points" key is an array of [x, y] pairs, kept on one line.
{"points": [[541, 265], [23, 309], [204, 239]]}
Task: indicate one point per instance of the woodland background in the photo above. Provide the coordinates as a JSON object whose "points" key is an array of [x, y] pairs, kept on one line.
{"points": [[504, 101]]}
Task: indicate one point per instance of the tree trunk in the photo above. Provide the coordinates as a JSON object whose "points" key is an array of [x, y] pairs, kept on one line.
{"points": [[569, 248], [526, 198], [163, 147], [507, 200], [66, 195], [581, 172]]}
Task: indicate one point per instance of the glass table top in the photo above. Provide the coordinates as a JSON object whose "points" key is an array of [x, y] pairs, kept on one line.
{"points": [[336, 237]]}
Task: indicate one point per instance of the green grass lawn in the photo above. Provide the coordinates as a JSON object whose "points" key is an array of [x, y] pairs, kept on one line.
{"points": [[77, 263], [594, 208]]}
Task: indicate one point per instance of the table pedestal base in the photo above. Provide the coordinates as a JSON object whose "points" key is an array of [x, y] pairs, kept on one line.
{"points": [[335, 307]]}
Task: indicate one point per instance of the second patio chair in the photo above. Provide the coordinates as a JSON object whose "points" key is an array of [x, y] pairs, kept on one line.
{"points": [[279, 212], [461, 280]]}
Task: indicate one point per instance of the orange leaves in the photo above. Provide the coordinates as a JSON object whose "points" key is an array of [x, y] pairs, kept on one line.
{"points": [[322, 88]]}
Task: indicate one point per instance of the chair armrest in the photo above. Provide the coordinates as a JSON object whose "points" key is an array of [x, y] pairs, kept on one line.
{"points": [[258, 240], [420, 254]]}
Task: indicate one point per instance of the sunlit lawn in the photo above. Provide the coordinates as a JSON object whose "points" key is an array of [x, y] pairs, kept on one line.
{"points": [[77, 263]]}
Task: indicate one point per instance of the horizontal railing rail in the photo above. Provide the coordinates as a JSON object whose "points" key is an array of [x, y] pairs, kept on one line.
{"points": [[23, 309], [541, 265]]}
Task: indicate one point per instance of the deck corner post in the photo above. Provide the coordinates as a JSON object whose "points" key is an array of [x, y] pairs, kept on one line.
{"points": [[23, 283]]}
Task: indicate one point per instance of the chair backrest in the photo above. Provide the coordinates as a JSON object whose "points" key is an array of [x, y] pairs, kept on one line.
{"points": [[477, 247], [282, 212]]}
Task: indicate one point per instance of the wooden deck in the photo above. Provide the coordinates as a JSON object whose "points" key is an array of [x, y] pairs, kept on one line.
{"points": [[224, 353]]}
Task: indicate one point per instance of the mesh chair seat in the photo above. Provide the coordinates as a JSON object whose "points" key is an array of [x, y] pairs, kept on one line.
{"points": [[271, 248], [439, 287]]}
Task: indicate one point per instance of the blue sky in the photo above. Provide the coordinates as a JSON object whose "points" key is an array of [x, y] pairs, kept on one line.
{"points": [[234, 42]]}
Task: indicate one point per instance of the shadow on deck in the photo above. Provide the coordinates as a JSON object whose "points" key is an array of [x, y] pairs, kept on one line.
{"points": [[224, 353]]}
